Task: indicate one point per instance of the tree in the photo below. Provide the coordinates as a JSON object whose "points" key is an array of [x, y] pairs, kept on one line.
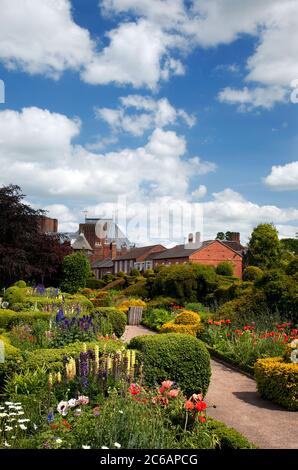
{"points": [[224, 236], [290, 244], [75, 272], [264, 249], [25, 252]]}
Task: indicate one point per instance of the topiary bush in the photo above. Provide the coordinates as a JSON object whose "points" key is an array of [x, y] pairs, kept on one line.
{"points": [[252, 273], [14, 295], [176, 357], [138, 289], [278, 381], [225, 268], [186, 322], [115, 317], [9, 318], [21, 284]]}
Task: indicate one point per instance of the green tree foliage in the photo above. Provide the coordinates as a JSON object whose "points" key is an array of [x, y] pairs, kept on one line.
{"points": [[292, 268], [184, 282], [264, 249], [75, 272], [224, 236], [225, 268], [252, 273], [290, 244]]}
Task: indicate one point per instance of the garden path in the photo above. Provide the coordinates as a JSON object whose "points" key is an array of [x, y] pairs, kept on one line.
{"points": [[238, 405]]}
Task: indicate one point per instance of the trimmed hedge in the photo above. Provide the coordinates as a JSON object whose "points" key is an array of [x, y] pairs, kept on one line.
{"points": [[138, 289], [9, 318], [186, 322], [115, 317], [176, 357], [229, 438], [278, 381]]}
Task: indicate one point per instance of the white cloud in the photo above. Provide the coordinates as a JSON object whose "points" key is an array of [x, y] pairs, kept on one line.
{"points": [[134, 56], [248, 99], [36, 152], [150, 114], [67, 219], [200, 192], [40, 37], [283, 177]]}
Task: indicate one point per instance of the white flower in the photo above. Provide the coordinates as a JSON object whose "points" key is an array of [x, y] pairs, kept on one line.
{"points": [[62, 408], [121, 412], [22, 426], [7, 403], [8, 428], [58, 441], [294, 356], [117, 445], [72, 403], [104, 447], [294, 343], [2, 415], [35, 427], [20, 413], [23, 420], [86, 447], [6, 444]]}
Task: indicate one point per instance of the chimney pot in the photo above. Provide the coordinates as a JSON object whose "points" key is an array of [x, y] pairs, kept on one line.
{"points": [[190, 238]]}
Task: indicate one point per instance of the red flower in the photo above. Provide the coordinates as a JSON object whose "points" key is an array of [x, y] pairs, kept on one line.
{"points": [[134, 389], [201, 406], [173, 393], [202, 419], [189, 406]]}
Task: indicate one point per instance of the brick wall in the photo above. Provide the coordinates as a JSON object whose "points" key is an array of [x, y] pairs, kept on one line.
{"points": [[216, 253]]}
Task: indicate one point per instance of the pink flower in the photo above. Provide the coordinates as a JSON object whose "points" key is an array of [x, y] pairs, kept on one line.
{"points": [[167, 384], [82, 400], [196, 397], [134, 389], [173, 393]]}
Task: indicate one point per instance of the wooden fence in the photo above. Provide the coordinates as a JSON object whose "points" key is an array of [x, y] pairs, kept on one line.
{"points": [[135, 315]]}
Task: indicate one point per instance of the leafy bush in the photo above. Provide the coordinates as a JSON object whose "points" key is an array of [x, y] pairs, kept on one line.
{"points": [[138, 289], [225, 268], [76, 271], [165, 303], [21, 284], [278, 381], [134, 272], [186, 283], [9, 349], [14, 295], [246, 308], [186, 322], [94, 283], [183, 358], [155, 317], [126, 304], [228, 438], [26, 382], [114, 316], [252, 273], [118, 284], [292, 267]]}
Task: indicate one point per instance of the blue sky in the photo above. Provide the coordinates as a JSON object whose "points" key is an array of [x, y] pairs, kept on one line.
{"points": [[163, 101]]}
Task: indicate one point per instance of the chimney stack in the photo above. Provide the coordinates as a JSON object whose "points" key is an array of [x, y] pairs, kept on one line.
{"points": [[235, 237], [190, 238], [198, 238]]}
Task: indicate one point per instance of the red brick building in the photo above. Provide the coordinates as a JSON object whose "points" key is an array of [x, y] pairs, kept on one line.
{"points": [[48, 225], [139, 258], [211, 252]]}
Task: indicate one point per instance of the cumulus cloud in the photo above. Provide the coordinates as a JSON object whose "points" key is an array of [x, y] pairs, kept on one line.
{"points": [[248, 99], [283, 177], [42, 38], [147, 114], [200, 192], [38, 153]]}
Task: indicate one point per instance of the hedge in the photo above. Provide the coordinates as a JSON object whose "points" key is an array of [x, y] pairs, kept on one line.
{"points": [[228, 438], [278, 381], [115, 317], [178, 357], [186, 322], [139, 289], [9, 318]]}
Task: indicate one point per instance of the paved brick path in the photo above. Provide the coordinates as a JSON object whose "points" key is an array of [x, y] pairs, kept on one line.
{"points": [[238, 405]]}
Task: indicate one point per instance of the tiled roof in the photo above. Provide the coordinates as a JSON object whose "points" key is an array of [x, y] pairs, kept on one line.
{"points": [[136, 253], [81, 243], [236, 246], [178, 251], [106, 263]]}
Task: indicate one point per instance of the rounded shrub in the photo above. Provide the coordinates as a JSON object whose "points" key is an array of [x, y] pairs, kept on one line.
{"points": [[186, 322], [21, 284], [252, 273], [225, 268], [171, 327], [115, 317], [187, 317], [135, 272], [14, 295], [178, 357]]}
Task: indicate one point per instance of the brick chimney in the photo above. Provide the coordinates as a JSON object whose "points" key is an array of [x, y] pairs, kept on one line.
{"points": [[113, 247], [235, 237]]}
